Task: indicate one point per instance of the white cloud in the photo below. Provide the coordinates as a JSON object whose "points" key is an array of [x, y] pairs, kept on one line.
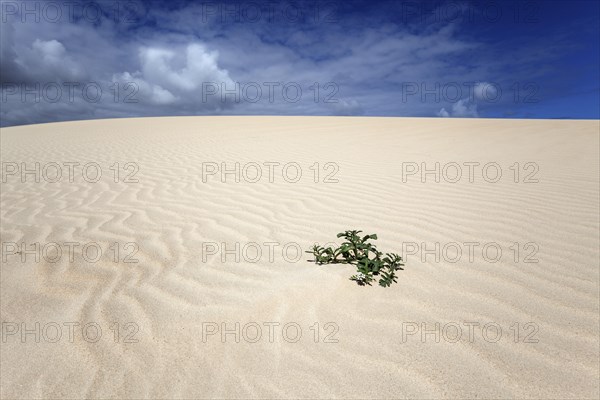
{"points": [[155, 94], [467, 107], [443, 113], [170, 76], [160, 66], [42, 61], [347, 107], [461, 109], [485, 91]]}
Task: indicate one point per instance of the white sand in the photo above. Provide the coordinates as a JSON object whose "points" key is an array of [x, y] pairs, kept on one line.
{"points": [[172, 293]]}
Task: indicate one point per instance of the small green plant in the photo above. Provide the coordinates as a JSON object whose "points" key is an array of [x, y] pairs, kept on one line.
{"points": [[370, 262]]}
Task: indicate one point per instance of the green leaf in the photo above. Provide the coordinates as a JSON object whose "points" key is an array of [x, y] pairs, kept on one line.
{"points": [[356, 251]]}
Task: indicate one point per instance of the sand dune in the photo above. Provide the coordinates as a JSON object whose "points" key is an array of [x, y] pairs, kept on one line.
{"points": [[356, 342]]}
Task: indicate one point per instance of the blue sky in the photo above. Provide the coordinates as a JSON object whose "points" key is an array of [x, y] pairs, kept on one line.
{"points": [[483, 59]]}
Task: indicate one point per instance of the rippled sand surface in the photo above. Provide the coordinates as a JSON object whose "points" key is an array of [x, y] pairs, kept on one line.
{"points": [[463, 321]]}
